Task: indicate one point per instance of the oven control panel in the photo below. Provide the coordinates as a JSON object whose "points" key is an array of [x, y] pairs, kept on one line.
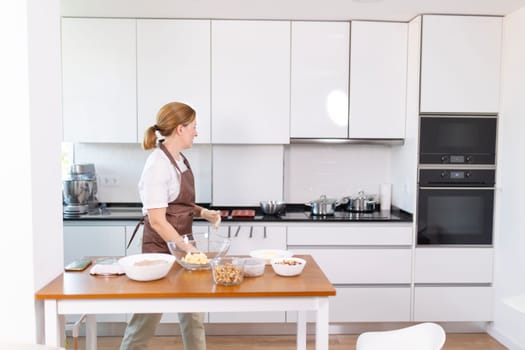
{"points": [[457, 177]]}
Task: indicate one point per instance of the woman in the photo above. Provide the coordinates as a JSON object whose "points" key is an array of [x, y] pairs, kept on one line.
{"points": [[167, 192]]}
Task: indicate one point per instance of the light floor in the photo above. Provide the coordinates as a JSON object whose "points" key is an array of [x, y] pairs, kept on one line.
{"points": [[455, 341]]}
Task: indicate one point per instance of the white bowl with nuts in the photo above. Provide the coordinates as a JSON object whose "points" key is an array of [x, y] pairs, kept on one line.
{"points": [[288, 266], [227, 271]]}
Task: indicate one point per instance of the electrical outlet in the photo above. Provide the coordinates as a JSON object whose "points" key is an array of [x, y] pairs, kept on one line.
{"points": [[109, 181]]}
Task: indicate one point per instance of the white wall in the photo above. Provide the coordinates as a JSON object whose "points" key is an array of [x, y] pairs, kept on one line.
{"points": [[31, 249], [405, 159], [509, 271]]}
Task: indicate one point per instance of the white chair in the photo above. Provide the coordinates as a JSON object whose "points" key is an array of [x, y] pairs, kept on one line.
{"points": [[423, 336]]}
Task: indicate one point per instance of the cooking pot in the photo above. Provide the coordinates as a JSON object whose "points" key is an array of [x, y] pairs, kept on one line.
{"points": [[361, 203], [324, 205]]}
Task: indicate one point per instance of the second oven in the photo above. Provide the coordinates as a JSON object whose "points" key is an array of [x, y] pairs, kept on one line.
{"points": [[455, 206], [458, 140]]}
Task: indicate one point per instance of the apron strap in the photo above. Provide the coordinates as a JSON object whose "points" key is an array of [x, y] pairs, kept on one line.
{"points": [[141, 222]]}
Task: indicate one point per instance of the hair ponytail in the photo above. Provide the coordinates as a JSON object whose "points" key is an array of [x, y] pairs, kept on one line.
{"points": [[169, 117], [150, 138]]}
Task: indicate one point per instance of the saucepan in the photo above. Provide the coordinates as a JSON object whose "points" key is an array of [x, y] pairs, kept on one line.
{"points": [[324, 205], [361, 203], [272, 207]]}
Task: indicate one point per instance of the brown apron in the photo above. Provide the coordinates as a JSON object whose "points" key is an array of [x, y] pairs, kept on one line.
{"points": [[179, 213]]}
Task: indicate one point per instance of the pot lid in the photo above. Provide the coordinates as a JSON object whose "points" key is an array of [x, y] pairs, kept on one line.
{"points": [[324, 200]]}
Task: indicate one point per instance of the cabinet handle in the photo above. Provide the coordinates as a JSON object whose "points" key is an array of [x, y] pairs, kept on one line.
{"points": [[229, 232], [251, 231], [237, 232], [264, 232]]}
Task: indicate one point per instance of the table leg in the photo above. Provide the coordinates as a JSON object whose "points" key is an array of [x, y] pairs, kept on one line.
{"points": [[301, 330], [51, 323], [91, 332], [321, 325]]}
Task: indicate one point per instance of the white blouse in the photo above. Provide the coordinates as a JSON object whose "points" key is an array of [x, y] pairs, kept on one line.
{"points": [[159, 183]]}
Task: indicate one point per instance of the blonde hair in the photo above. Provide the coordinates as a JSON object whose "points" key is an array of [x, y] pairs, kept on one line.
{"points": [[169, 117]]}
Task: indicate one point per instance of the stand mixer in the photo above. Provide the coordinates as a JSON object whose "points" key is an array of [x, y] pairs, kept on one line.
{"points": [[80, 190]]}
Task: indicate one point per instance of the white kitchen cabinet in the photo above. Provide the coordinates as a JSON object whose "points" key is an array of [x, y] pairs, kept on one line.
{"points": [[453, 265], [460, 64], [369, 264], [245, 175], [91, 240], [453, 303], [357, 253], [245, 238], [99, 80], [319, 79], [378, 80], [173, 64], [366, 304], [250, 81], [356, 234], [453, 284], [362, 265]]}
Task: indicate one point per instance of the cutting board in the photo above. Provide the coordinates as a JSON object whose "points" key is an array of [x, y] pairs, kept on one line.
{"points": [[243, 213]]}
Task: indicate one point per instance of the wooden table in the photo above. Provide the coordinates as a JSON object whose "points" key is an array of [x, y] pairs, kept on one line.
{"points": [[186, 291]]}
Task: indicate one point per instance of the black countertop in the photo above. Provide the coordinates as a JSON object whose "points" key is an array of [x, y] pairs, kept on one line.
{"points": [[293, 213]]}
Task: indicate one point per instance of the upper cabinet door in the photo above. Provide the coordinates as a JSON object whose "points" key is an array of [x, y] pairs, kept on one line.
{"points": [[99, 80], [319, 87], [250, 82], [460, 64], [378, 77], [173, 64]]}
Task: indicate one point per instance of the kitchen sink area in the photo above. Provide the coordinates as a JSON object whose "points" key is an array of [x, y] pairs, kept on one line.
{"points": [[110, 212]]}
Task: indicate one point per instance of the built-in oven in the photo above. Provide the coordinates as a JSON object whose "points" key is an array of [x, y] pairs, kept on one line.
{"points": [[455, 206], [457, 140]]}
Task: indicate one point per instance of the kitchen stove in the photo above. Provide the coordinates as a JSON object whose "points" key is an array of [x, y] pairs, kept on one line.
{"points": [[341, 216]]}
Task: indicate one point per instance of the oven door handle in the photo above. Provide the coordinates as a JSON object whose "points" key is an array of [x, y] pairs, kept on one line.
{"points": [[458, 188]]}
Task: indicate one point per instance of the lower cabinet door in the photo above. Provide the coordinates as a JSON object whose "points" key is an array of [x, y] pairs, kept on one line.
{"points": [[94, 241], [245, 238], [363, 265], [453, 303], [453, 265], [366, 304]]}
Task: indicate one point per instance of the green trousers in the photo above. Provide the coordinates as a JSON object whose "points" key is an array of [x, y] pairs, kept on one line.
{"points": [[141, 328]]}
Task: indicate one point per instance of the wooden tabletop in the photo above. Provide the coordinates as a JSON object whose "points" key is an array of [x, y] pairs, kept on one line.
{"points": [[181, 283]]}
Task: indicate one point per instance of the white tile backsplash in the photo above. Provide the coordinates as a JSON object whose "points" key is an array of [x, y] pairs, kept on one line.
{"points": [[308, 170], [125, 162], [336, 170], [248, 174]]}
